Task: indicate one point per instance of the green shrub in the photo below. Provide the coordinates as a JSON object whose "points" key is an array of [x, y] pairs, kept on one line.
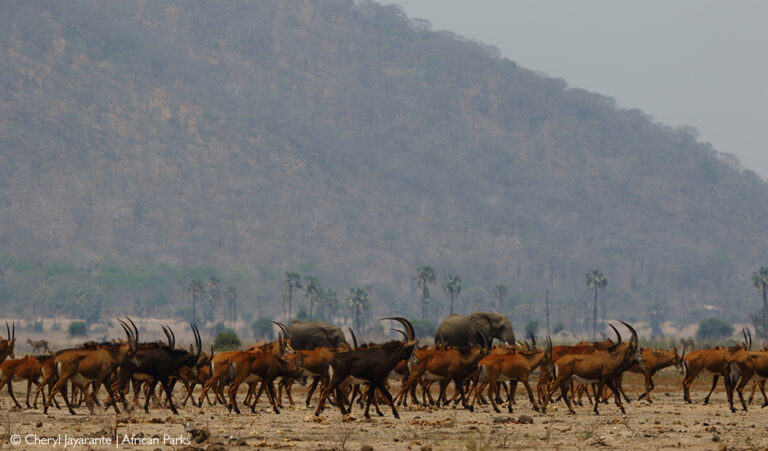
{"points": [[78, 328], [531, 327], [226, 341], [713, 329], [423, 328], [262, 328]]}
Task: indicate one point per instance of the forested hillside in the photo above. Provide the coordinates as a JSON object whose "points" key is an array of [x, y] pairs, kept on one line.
{"points": [[343, 140]]}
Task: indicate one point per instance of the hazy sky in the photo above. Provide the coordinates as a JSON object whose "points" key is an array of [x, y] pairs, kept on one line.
{"points": [[702, 63]]}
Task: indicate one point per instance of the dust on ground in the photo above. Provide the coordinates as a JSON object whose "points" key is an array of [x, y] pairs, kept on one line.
{"points": [[666, 423]]}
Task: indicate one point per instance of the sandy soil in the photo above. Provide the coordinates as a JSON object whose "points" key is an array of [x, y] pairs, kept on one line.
{"points": [[667, 422]]}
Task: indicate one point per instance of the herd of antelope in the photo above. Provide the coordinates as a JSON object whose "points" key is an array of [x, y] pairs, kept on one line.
{"points": [[346, 373]]}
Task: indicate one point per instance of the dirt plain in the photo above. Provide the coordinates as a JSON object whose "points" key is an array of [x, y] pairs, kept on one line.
{"points": [[666, 423]]}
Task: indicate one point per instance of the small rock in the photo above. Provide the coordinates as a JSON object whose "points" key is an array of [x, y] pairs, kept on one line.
{"points": [[40, 424], [426, 448], [715, 438], [525, 419], [502, 420], [367, 448]]}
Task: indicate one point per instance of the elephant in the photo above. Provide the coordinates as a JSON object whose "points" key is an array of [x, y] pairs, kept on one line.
{"points": [[310, 335], [479, 328]]}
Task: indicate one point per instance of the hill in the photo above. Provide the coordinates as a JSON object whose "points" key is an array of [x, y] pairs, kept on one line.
{"points": [[347, 141]]}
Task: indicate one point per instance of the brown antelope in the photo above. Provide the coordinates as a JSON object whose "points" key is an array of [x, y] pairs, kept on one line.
{"points": [[49, 378], [601, 367], [748, 365], [514, 365], [714, 361], [315, 366], [84, 366], [545, 379], [7, 344], [655, 360], [221, 368], [188, 377], [17, 370], [263, 366], [445, 365], [38, 345]]}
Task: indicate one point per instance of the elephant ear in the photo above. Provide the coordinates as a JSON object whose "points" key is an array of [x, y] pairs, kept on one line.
{"points": [[480, 323]]}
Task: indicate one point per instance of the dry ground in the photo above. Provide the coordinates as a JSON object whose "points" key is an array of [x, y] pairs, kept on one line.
{"points": [[668, 422]]}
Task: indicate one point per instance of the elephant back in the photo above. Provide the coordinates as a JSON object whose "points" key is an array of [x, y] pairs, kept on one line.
{"points": [[454, 330], [311, 335]]}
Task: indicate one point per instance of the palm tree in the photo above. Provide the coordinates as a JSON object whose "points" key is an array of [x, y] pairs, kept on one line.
{"points": [[425, 276], [231, 295], [760, 281], [214, 296], [197, 289], [501, 292], [314, 291], [331, 302], [291, 282], [452, 287], [595, 281], [358, 302]]}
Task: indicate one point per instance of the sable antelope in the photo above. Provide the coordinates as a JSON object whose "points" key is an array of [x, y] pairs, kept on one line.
{"points": [[371, 365], [38, 345], [7, 344], [515, 365], [17, 370], [601, 367], [83, 366], [158, 364]]}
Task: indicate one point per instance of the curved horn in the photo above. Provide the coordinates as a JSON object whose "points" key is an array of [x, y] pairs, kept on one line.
{"points": [[354, 338], [744, 334], [167, 335], [135, 330], [549, 346], [401, 333], [618, 335], [7, 331], [533, 338], [172, 345], [631, 329], [441, 341], [407, 324], [13, 330], [127, 330], [750, 338], [199, 341], [128, 333], [281, 326]]}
